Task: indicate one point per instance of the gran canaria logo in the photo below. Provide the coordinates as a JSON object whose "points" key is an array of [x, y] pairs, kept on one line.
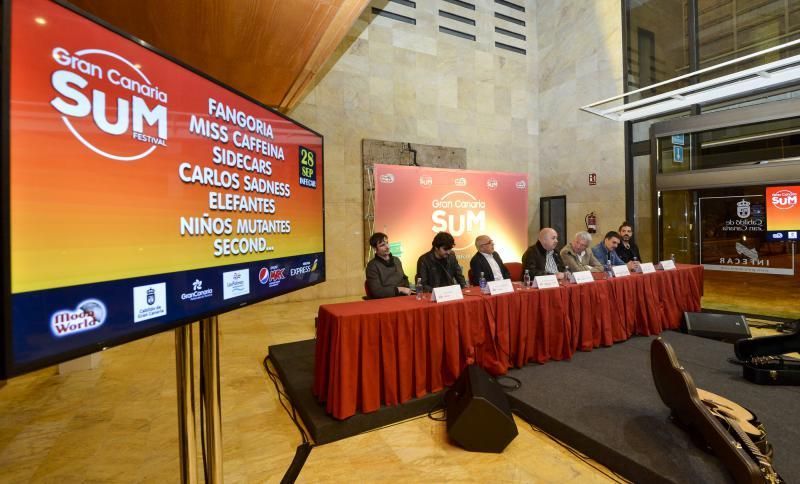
{"points": [[95, 86]]}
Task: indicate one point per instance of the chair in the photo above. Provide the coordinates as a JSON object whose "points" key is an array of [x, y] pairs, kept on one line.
{"points": [[514, 270]]}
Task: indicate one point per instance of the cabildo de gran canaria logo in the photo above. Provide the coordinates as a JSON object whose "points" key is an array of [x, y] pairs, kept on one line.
{"points": [[102, 96], [89, 314]]}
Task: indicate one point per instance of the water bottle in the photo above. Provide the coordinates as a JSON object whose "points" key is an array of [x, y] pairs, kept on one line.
{"points": [[637, 267], [526, 279], [672, 256], [482, 282], [419, 288], [568, 278], [609, 270]]}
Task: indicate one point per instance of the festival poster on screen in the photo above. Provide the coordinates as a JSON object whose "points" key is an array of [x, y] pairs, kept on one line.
{"points": [[141, 192], [413, 203]]}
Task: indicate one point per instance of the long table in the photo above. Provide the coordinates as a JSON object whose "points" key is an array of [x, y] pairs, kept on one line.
{"points": [[388, 351]]}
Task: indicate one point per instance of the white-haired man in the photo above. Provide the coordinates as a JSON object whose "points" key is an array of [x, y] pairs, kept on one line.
{"points": [[576, 256]]}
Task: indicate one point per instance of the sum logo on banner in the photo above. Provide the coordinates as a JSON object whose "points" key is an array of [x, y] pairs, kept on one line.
{"points": [[458, 212], [784, 199], [97, 82]]}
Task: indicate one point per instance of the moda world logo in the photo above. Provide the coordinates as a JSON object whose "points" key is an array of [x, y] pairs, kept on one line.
{"points": [[87, 315]]}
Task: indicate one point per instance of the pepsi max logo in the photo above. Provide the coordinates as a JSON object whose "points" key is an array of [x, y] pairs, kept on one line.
{"points": [[89, 314], [272, 276]]}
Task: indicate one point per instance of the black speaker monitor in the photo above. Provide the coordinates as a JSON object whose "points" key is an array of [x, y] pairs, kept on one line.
{"points": [[478, 414], [726, 327]]}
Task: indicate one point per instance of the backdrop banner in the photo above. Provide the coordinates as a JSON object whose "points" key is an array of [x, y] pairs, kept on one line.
{"points": [[413, 203]]}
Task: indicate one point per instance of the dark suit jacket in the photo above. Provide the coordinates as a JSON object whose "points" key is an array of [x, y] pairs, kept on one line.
{"points": [[439, 273], [479, 264], [534, 260]]}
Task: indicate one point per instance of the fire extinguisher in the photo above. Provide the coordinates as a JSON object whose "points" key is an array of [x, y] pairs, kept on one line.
{"points": [[591, 223]]}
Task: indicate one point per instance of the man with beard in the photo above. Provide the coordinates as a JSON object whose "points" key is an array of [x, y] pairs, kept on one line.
{"points": [[627, 250]]}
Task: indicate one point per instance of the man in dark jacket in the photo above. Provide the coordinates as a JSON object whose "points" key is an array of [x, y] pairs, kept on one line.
{"points": [[486, 261], [541, 259], [627, 250], [438, 267], [385, 276]]}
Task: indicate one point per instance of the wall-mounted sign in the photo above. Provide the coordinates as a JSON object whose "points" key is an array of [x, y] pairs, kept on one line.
{"points": [[678, 139], [592, 179], [677, 154]]}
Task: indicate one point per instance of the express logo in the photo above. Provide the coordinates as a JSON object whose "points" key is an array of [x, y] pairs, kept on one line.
{"points": [[784, 199], [460, 182], [89, 314], [97, 82], [387, 178], [304, 268], [491, 183], [272, 276], [522, 184]]}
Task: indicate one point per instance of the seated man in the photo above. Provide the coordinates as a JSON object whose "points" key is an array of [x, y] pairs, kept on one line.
{"points": [[541, 259], [385, 276], [575, 256], [486, 261], [627, 250], [438, 267], [606, 251]]}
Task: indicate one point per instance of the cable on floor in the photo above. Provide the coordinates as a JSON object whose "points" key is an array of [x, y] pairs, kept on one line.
{"points": [[304, 449]]}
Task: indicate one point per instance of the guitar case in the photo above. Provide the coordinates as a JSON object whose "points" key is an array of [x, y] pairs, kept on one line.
{"points": [[678, 391], [763, 363]]}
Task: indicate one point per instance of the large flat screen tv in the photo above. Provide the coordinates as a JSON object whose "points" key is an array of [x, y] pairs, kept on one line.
{"points": [[138, 194]]}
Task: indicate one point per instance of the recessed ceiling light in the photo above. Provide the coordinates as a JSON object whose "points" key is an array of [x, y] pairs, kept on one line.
{"points": [[40, 20]]}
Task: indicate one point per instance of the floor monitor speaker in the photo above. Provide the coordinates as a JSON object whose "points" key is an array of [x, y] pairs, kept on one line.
{"points": [[478, 413], [726, 327]]}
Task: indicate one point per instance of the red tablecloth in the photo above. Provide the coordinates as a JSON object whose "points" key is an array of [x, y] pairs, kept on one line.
{"points": [[387, 351]]}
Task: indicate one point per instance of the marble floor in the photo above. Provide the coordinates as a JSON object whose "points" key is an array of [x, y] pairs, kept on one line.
{"points": [[118, 423]]}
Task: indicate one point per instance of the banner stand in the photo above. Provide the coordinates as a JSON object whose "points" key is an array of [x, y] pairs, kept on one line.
{"points": [[184, 373], [210, 398]]}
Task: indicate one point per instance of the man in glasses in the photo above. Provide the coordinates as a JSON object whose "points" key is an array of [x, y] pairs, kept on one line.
{"points": [[486, 261], [438, 267], [385, 276]]}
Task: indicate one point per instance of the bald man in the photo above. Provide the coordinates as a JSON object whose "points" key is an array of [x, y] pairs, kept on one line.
{"points": [[487, 261], [541, 258]]}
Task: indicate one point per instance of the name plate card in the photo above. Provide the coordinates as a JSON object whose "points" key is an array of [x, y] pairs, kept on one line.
{"points": [[668, 265], [583, 277], [447, 293], [500, 287], [621, 271], [545, 282], [647, 268]]}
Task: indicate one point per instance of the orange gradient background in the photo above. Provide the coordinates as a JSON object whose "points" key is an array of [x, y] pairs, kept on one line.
{"points": [[78, 217], [782, 219], [404, 210]]}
